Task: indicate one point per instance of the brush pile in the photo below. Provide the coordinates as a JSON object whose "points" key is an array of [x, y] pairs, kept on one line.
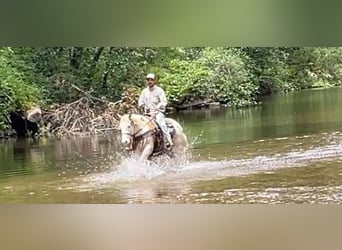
{"points": [[89, 115]]}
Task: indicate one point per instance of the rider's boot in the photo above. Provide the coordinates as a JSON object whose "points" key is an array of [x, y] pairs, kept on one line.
{"points": [[168, 142]]}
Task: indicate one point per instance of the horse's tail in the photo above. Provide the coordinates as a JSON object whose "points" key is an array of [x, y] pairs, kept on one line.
{"points": [[176, 125]]}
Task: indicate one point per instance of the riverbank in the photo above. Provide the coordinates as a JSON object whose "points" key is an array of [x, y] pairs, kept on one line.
{"points": [[192, 77], [93, 116]]}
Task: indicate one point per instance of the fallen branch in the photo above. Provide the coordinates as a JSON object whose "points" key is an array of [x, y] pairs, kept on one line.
{"points": [[88, 94], [86, 116]]}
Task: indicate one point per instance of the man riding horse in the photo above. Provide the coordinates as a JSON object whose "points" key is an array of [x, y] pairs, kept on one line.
{"points": [[153, 102]]}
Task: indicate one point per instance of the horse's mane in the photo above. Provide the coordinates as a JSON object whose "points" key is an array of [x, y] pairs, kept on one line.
{"points": [[135, 117]]}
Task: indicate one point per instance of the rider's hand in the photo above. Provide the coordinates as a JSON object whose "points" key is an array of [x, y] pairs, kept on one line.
{"points": [[141, 109], [160, 106]]}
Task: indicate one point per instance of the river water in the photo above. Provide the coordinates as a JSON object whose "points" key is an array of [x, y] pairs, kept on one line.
{"points": [[286, 150]]}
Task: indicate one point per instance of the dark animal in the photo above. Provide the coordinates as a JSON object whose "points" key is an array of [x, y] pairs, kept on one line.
{"points": [[22, 125]]}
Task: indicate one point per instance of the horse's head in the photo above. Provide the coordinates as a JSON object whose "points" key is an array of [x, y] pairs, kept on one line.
{"points": [[131, 126], [126, 127]]}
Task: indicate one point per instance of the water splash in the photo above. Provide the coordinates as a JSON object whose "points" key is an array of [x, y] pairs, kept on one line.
{"points": [[165, 170], [130, 169]]}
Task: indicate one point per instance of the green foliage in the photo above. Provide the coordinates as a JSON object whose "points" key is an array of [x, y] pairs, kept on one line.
{"points": [[185, 81], [236, 76], [270, 69], [229, 80], [317, 67], [16, 92], [104, 71], [217, 74]]}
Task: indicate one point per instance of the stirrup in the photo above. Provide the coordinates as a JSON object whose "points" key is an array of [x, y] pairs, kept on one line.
{"points": [[167, 147]]}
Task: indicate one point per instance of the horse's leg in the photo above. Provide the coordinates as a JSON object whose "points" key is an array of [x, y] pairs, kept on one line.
{"points": [[181, 143], [146, 151], [180, 147]]}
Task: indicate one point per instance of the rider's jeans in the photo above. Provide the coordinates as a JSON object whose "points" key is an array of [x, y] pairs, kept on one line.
{"points": [[160, 118]]}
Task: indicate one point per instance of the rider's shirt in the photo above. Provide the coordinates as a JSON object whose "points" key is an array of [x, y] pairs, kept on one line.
{"points": [[150, 98]]}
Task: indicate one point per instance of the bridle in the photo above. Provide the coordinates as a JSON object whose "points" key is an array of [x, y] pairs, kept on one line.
{"points": [[134, 135]]}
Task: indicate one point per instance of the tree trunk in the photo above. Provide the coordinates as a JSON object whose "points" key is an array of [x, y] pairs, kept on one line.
{"points": [[97, 56], [108, 68], [76, 56], [92, 69]]}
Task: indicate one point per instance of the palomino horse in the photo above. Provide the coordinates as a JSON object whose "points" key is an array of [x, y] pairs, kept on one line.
{"points": [[140, 134]]}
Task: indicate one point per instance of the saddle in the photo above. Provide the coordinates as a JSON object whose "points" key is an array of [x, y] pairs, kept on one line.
{"points": [[159, 137]]}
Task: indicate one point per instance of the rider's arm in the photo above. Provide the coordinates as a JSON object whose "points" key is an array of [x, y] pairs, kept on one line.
{"points": [[163, 101], [141, 101]]}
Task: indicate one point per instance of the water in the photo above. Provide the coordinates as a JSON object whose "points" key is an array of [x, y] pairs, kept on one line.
{"points": [[287, 150]]}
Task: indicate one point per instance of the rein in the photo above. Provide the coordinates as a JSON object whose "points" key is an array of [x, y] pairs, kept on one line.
{"points": [[147, 133], [134, 135]]}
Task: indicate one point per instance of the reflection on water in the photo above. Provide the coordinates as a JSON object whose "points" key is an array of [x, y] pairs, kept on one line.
{"points": [[41, 155], [287, 150]]}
